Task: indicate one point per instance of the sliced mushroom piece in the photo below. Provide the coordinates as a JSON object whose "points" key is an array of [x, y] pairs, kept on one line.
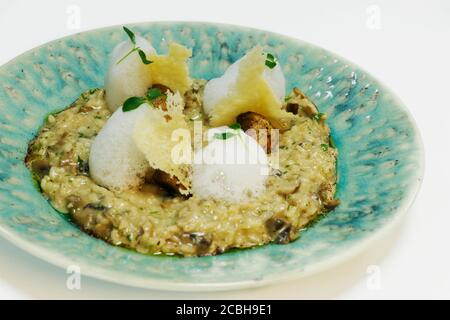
{"points": [[81, 217], [165, 180], [90, 217], [96, 206], [331, 204], [85, 109], [292, 107], [40, 168], [258, 127], [326, 195], [279, 229], [83, 166], [200, 240], [300, 104], [103, 230]]}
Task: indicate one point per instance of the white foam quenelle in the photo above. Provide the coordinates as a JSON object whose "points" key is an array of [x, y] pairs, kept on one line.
{"points": [[115, 161], [130, 76], [219, 88], [233, 166]]}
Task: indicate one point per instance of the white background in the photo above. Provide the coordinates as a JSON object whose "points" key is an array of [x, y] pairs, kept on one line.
{"points": [[409, 50]]}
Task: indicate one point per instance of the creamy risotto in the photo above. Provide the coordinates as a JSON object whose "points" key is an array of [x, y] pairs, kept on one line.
{"points": [[158, 214]]}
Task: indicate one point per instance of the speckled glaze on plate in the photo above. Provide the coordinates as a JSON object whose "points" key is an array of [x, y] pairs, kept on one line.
{"points": [[380, 162]]}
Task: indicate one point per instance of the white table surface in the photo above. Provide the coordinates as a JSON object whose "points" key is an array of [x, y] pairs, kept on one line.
{"points": [[405, 44]]}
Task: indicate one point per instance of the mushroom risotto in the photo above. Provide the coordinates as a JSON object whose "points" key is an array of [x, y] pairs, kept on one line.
{"points": [[166, 164]]}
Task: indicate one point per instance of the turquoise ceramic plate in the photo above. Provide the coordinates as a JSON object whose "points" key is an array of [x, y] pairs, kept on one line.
{"points": [[380, 157]]}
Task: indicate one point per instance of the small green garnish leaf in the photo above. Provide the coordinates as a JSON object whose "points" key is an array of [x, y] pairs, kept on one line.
{"points": [[271, 61], [318, 116], [324, 147], [224, 135], [133, 103], [135, 48], [287, 98], [130, 35], [143, 57], [126, 56], [154, 93], [235, 126]]}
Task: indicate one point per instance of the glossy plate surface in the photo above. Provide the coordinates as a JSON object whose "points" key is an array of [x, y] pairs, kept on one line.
{"points": [[380, 156]]}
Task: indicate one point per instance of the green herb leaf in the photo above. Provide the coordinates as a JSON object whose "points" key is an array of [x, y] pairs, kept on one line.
{"points": [[154, 93], [125, 56], [143, 57], [130, 35], [135, 48], [271, 64], [324, 147], [270, 57], [224, 135], [133, 103], [318, 116], [271, 61], [235, 126]]}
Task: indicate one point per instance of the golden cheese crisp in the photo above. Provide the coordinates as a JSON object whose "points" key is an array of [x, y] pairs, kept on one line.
{"points": [[250, 92], [172, 70], [164, 138]]}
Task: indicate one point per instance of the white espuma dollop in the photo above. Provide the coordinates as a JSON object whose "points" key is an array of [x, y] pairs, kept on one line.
{"points": [[218, 88], [233, 166], [128, 77], [115, 162]]}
